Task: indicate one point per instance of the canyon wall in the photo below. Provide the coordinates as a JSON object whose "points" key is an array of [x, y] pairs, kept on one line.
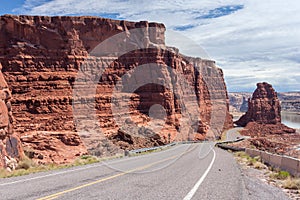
{"points": [[44, 58], [10, 146]]}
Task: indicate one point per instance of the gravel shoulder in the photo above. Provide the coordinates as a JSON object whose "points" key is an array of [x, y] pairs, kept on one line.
{"points": [[258, 183]]}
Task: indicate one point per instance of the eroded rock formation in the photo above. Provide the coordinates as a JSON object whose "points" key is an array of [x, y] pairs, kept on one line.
{"points": [[58, 147], [263, 107], [43, 56], [10, 146], [263, 124], [290, 101]]}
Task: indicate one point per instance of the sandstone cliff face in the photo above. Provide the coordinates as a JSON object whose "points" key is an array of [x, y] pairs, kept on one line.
{"points": [[10, 146], [42, 57], [263, 107]]}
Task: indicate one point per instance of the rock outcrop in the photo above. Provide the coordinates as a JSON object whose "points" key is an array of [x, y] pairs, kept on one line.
{"points": [[239, 101], [42, 57], [273, 138], [290, 101], [263, 107], [263, 125], [10, 146], [58, 147]]}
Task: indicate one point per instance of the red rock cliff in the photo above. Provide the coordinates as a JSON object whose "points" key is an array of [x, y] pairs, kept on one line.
{"points": [[10, 146], [43, 55]]}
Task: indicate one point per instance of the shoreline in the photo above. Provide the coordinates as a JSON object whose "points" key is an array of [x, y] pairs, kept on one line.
{"points": [[291, 112], [237, 115]]}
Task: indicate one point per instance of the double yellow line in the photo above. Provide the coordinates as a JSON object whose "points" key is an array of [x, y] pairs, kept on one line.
{"points": [[56, 195]]}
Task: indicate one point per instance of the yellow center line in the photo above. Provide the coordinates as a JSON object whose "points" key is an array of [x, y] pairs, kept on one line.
{"points": [[56, 195]]}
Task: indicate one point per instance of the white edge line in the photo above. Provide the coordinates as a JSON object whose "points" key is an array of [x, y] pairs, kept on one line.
{"points": [[53, 174], [190, 195], [102, 163]]}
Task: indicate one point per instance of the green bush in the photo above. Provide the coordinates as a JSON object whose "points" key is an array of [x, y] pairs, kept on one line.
{"points": [[281, 175]]}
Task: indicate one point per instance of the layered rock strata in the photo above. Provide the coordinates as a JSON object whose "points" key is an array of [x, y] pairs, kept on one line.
{"points": [[44, 58], [10, 146]]}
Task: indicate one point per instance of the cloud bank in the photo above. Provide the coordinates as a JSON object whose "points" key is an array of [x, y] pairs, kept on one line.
{"points": [[251, 41]]}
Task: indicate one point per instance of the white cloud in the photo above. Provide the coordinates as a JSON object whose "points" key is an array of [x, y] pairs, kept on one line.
{"points": [[259, 42]]}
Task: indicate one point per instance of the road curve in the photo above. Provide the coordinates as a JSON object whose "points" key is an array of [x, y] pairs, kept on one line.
{"points": [[233, 134], [187, 171]]}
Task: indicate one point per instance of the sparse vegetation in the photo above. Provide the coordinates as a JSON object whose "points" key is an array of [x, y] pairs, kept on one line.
{"points": [[281, 175], [28, 166], [259, 165], [249, 161], [241, 154], [274, 175], [25, 164], [85, 160], [291, 183]]}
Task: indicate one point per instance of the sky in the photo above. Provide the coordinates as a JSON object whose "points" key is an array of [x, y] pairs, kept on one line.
{"points": [[251, 40]]}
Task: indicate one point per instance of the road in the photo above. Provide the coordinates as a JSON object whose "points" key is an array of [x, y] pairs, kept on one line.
{"points": [[234, 134], [186, 171]]}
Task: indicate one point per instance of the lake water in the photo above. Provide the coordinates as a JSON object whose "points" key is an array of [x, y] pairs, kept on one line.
{"points": [[291, 119]]}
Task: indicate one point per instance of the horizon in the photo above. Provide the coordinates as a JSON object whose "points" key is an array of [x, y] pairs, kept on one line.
{"points": [[251, 41]]}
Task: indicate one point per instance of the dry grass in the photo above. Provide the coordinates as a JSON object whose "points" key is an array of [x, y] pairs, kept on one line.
{"points": [[274, 175], [259, 165], [249, 161], [291, 183], [28, 166]]}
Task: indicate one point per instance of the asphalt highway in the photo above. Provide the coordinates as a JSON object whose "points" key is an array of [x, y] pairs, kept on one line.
{"points": [[186, 171]]}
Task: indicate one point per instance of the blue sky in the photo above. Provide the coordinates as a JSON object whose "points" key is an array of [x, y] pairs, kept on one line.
{"points": [[252, 41], [8, 6]]}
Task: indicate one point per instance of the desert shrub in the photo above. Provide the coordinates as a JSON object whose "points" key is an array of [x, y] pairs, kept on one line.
{"points": [[3, 173], [242, 154], [85, 159], [281, 175], [259, 165], [26, 163], [291, 183]]}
